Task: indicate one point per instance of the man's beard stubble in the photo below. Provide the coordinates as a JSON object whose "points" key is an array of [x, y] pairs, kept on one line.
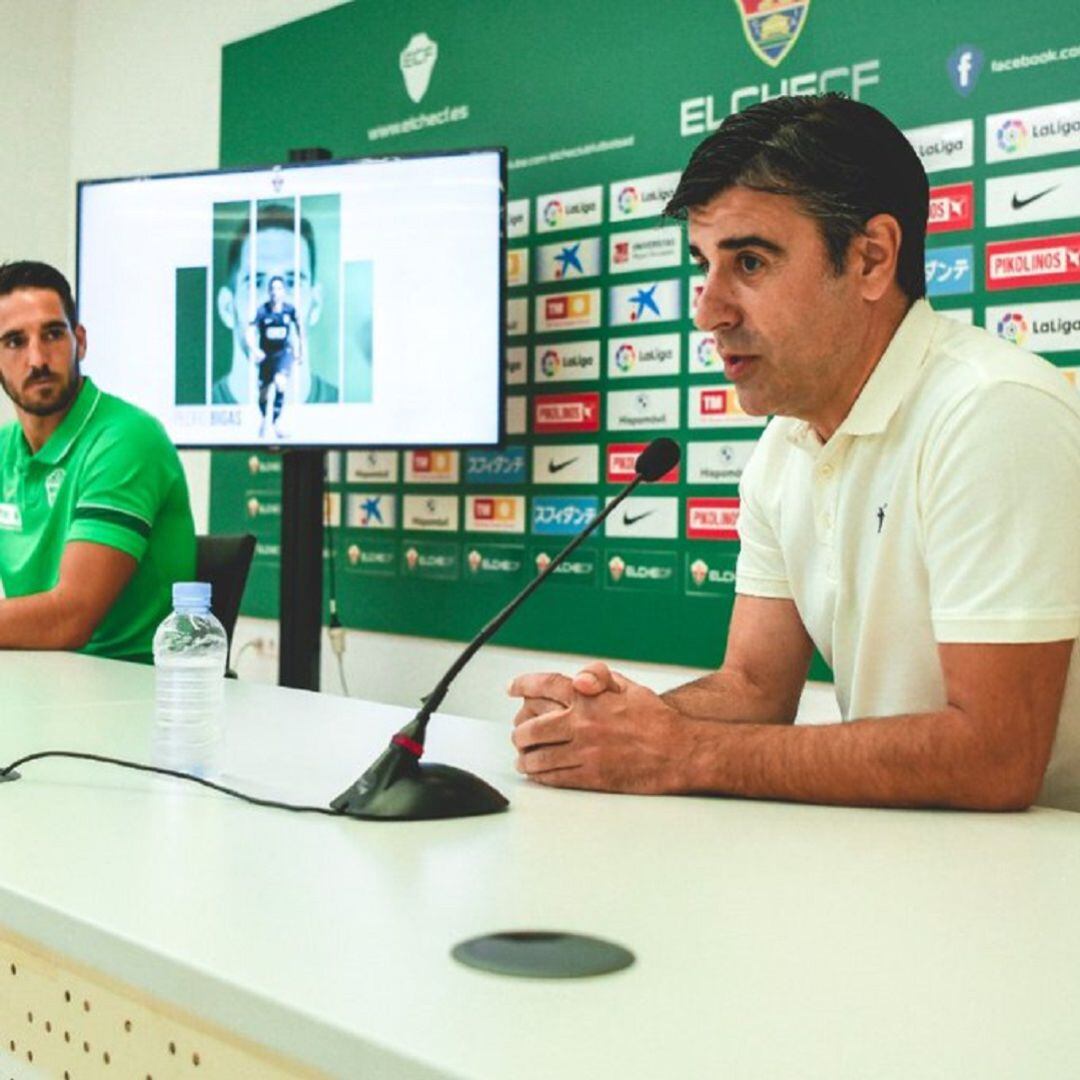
{"points": [[46, 408]]}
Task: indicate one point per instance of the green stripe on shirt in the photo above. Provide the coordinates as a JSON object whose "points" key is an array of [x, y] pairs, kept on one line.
{"points": [[116, 517]]}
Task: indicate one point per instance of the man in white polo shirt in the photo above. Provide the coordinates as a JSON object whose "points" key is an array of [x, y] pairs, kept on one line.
{"points": [[913, 510]]}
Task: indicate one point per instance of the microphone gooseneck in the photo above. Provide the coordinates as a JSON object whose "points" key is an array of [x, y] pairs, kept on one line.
{"points": [[396, 786]]}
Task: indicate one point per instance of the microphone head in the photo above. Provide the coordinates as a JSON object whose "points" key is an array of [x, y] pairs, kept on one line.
{"points": [[657, 459]]}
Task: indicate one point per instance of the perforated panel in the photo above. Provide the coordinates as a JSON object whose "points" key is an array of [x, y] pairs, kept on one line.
{"points": [[59, 1020]]}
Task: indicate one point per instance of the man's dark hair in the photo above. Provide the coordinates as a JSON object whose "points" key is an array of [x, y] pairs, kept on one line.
{"points": [[844, 161], [269, 216], [276, 277], [38, 275]]}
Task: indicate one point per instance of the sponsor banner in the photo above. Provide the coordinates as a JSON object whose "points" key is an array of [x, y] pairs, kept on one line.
{"points": [[517, 316], [332, 509], [375, 558], [569, 209], [621, 459], [437, 560], [517, 218], [271, 552], [516, 363], [949, 271], [1050, 327], [645, 302], [963, 315], [517, 266], [1035, 196], [718, 462], [641, 197], [702, 355], [568, 311], [694, 287], [575, 463], [438, 513], [568, 260], [261, 466], [637, 357], [516, 416], [371, 467], [506, 466], [645, 249], [710, 575], [718, 406], [371, 510], [570, 361], [944, 146], [652, 516], [1045, 260], [263, 510], [495, 513], [431, 466], [644, 571], [952, 207], [333, 468], [1028, 133], [554, 414], [562, 515], [643, 410], [493, 562], [712, 519], [579, 569]]}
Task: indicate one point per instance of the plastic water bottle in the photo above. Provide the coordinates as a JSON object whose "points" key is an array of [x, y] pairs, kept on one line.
{"points": [[190, 647]]}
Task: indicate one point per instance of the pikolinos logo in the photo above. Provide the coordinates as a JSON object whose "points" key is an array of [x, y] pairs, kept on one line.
{"points": [[417, 62]]}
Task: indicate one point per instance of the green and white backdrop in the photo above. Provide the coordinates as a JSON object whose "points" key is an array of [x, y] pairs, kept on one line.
{"points": [[599, 105]]}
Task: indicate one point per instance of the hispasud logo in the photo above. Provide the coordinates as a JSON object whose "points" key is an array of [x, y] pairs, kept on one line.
{"points": [[952, 207], [1047, 260], [554, 413], [621, 459], [772, 26], [712, 519]]}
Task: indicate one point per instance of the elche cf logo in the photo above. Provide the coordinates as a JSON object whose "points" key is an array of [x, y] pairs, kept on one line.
{"points": [[417, 62], [772, 26]]}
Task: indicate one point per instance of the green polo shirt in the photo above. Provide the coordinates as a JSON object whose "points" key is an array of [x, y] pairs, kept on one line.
{"points": [[108, 475]]}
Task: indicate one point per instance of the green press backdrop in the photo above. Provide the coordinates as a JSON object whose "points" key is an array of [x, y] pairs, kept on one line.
{"points": [[599, 105]]}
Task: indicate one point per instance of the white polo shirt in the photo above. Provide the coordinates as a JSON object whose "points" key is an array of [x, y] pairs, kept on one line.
{"points": [[945, 508]]}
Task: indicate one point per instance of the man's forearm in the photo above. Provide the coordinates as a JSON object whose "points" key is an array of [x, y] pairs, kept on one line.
{"points": [[939, 759], [728, 696], [41, 621]]}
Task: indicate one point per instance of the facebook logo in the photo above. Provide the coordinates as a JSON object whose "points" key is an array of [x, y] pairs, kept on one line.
{"points": [[964, 65]]}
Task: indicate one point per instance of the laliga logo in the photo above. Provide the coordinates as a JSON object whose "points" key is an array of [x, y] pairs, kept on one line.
{"points": [[707, 353], [417, 62], [629, 199], [625, 357], [772, 26], [553, 213], [1012, 326], [1012, 136], [549, 363]]}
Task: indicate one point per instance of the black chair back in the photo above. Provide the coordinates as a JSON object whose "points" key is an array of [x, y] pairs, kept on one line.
{"points": [[224, 562]]}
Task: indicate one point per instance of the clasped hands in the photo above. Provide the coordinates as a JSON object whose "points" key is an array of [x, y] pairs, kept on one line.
{"points": [[597, 730]]}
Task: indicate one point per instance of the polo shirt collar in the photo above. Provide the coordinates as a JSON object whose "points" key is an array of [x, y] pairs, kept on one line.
{"points": [[55, 450]]}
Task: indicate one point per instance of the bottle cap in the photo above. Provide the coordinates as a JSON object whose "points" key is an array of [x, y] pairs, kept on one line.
{"points": [[191, 594]]}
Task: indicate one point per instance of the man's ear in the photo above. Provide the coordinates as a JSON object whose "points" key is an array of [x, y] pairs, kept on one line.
{"points": [[315, 305], [226, 307], [80, 341], [877, 251]]}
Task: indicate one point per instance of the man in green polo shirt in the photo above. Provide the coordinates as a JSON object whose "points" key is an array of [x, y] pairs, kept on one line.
{"points": [[95, 522]]}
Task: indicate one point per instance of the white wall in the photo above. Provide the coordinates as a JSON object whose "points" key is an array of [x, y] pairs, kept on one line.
{"points": [[96, 88]]}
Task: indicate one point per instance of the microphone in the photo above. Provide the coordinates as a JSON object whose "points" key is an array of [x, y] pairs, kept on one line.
{"points": [[397, 787]]}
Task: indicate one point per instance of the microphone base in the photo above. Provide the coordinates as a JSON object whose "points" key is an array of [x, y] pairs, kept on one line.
{"points": [[422, 792]]}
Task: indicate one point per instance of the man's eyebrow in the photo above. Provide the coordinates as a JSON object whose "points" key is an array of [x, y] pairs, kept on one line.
{"points": [[732, 243], [10, 335], [56, 324]]}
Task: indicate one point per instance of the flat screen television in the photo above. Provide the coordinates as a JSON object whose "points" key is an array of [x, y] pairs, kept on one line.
{"points": [[338, 303]]}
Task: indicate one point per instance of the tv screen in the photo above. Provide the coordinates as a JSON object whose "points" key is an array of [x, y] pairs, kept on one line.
{"points": [[354, 303]]}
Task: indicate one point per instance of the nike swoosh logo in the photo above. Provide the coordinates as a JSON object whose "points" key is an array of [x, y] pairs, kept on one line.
{"points": [[1019, 204], [628, 520], [558, 466]]}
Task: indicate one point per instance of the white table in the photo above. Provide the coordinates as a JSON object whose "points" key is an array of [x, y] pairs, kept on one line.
{"points": [[772, 940]]}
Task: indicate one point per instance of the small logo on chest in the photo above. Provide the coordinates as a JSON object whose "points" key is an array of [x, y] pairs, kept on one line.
{"points": [[52, 485]]}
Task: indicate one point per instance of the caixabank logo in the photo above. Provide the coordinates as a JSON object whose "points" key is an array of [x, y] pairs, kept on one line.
{"points": [[772, 26]]}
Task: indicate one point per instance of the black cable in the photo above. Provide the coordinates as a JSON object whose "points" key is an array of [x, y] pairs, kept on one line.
{"points": [[170, 772]]}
